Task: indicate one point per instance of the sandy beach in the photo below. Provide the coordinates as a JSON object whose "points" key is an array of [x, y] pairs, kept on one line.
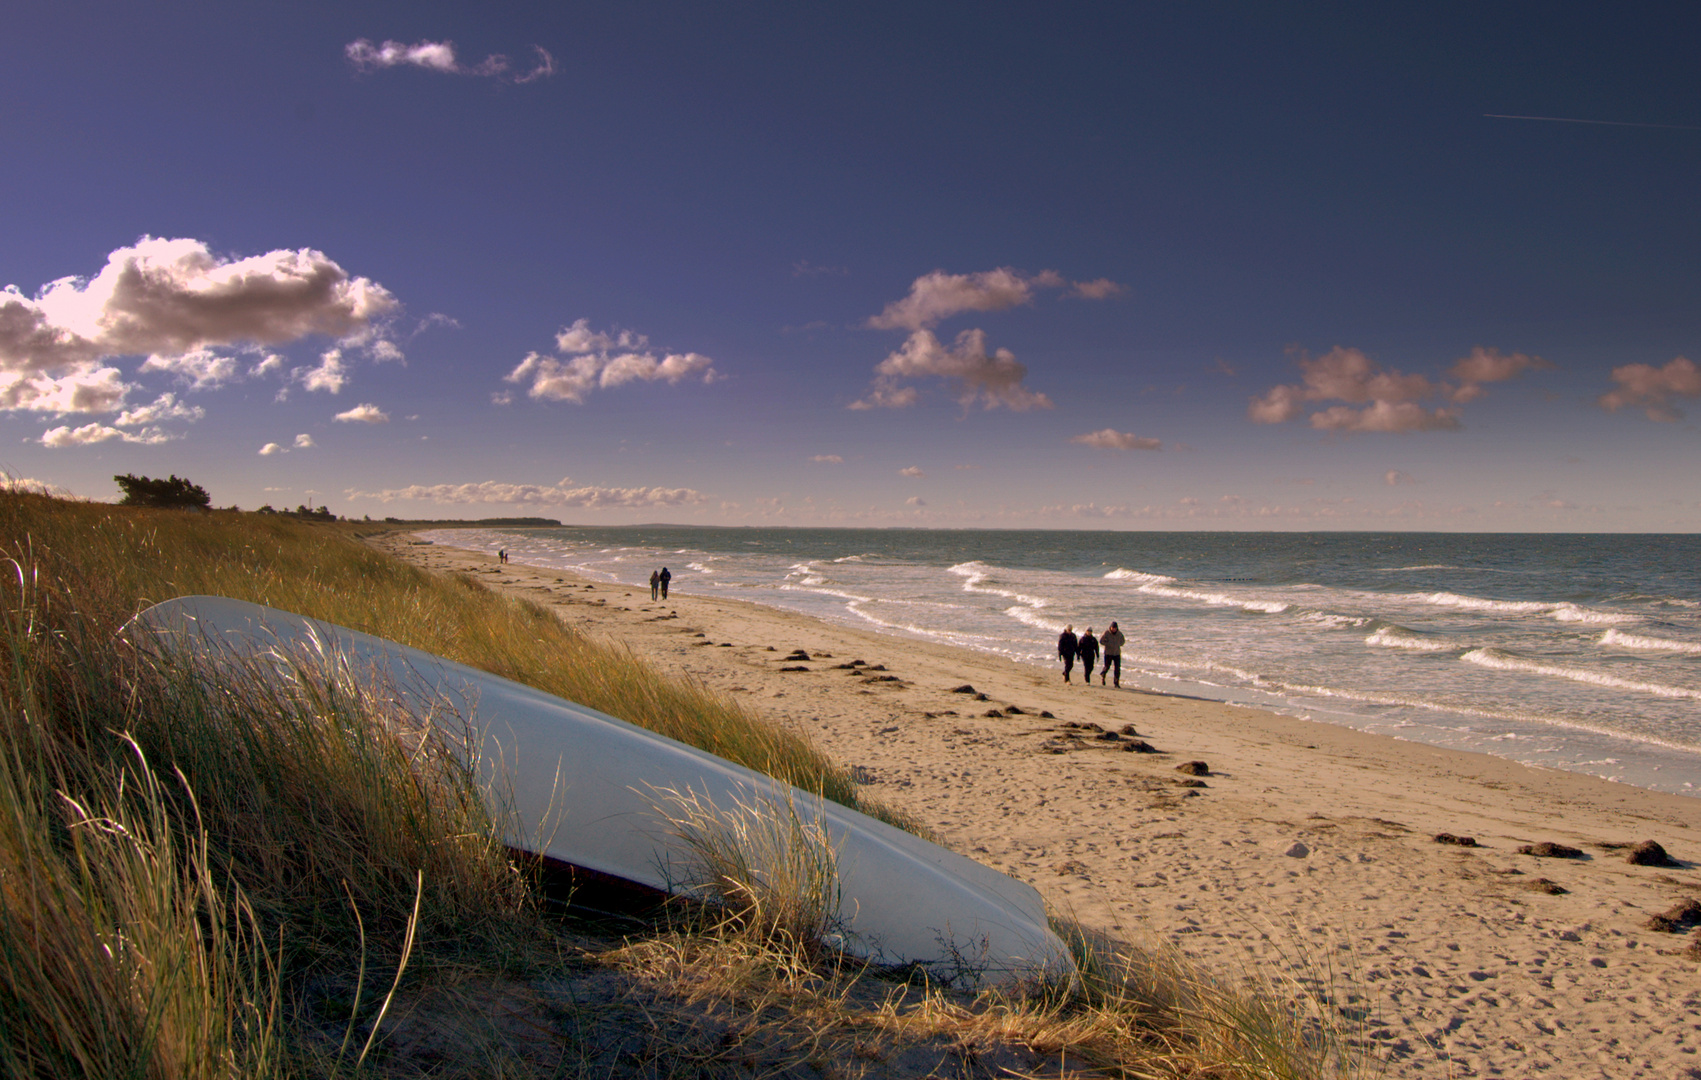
{"points": [[1302, 848]]}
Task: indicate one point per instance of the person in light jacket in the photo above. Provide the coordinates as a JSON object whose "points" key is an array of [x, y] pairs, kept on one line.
{"points": [[1067, 644], [1112, 642]]}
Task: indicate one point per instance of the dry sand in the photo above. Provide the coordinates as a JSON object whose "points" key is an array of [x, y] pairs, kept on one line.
{"points": [[1309, 847]]}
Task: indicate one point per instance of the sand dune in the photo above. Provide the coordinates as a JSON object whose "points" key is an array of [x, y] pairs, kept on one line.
{"points": [[1305, 848]]}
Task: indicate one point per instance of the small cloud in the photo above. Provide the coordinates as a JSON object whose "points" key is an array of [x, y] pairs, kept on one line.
{"points": [[90, 434], [594, 359], [165, 407], [1223, 367], [200, 368], [1649, 388], [912, 471], [439, 56], [502, 397], [272, 448], [992, 379], [828, 459], [330, 376], [1098, 289], [1111, 439], [364, 414], [304, 441], [915, 500], [1394, 478]]}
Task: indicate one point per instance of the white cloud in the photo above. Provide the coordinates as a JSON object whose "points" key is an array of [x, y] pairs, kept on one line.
{"points": [[269, 363], [174, 300], [1651, 389], [915, 500], [272, 448], [330, 376], [200, 368], [1112, 439], [828, 459], [1097, 289], [937, 296], [1379, 399], [364, 413], [585, 497], [993, 379], [165, 407], [1394, 478], [590, 362], [439, 56], [913, 471], [304, 441], [37, 487], [384, 351], [89, 434]]}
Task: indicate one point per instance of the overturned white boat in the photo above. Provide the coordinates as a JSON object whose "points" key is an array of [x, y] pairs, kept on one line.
{"points": [[585, 790]]}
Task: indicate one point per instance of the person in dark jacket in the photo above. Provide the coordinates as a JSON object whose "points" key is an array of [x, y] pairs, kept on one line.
{"points": [[1067, 644], [1088, 649], [662, 579]]}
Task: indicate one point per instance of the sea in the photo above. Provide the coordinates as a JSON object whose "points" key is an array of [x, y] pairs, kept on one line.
{"points": [[1571, 652]]}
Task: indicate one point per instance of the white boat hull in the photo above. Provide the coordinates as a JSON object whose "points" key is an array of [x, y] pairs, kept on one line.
{"points": [[586, 788]]}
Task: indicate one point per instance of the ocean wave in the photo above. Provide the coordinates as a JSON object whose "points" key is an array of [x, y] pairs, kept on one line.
{"points": [[1501, 660], [1136, 575], [1651, 644], [804, 587], [699, 567], [1425, 566], [1478, 603], [973, 573], [1400, 637], [1215, 599], [1031, 617], [1334, 620], [1573, 613]]}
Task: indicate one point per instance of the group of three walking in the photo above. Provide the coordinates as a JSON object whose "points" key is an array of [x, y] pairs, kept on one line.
{"points": [[1087, 648]]}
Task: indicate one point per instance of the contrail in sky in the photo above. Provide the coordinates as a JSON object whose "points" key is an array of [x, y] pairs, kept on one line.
{"points": [[1606, 123]]}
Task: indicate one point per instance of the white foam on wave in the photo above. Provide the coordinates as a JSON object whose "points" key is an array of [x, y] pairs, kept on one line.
{"points": [[1120, 574], [699, 567], [1501, 660], [806, 587], [1573, 613], [1030, 617], [1332, 620], [1651, 644], [1398, 637], [1425, 566], [1478, 603], [974, 573], [1214, 599]]}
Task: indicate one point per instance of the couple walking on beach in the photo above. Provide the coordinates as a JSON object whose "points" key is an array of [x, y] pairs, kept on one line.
{"points": [[658, 582], [1087, 648]]}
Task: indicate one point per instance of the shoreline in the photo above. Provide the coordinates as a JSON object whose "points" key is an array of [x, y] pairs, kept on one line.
{"points": [[1306, 841]]}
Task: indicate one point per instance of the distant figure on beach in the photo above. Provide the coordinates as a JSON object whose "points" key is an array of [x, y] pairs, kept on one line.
{"points": [[664, 577], [502, 555], [1088, 648], [1067, 643], [655, 584], [1112, 642]]}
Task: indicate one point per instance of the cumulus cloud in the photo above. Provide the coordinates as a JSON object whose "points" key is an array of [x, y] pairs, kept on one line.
{"points": [[937, 296], [304, 441], [89, 434], [828, 459], [992, 379], [439, 56], [1111, 439], [1649, 388], [272, 448], [164, 407], [330, 376], [1384, 399], [589, 360], [915, 500], [562, 494], [363, 413], [1394, 478], [177, 303]]}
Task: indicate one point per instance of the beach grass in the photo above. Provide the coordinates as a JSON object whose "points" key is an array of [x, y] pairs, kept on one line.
{"points": [[240, 876]]}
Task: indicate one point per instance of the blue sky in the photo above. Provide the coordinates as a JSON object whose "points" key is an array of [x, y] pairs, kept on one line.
{"points": [[1127, 265]]}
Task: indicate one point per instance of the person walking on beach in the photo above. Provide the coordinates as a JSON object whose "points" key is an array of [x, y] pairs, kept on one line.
{"points": [[1112, 642], [664, 577], [1089, 651], [655, 584], [1067, 643]]}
